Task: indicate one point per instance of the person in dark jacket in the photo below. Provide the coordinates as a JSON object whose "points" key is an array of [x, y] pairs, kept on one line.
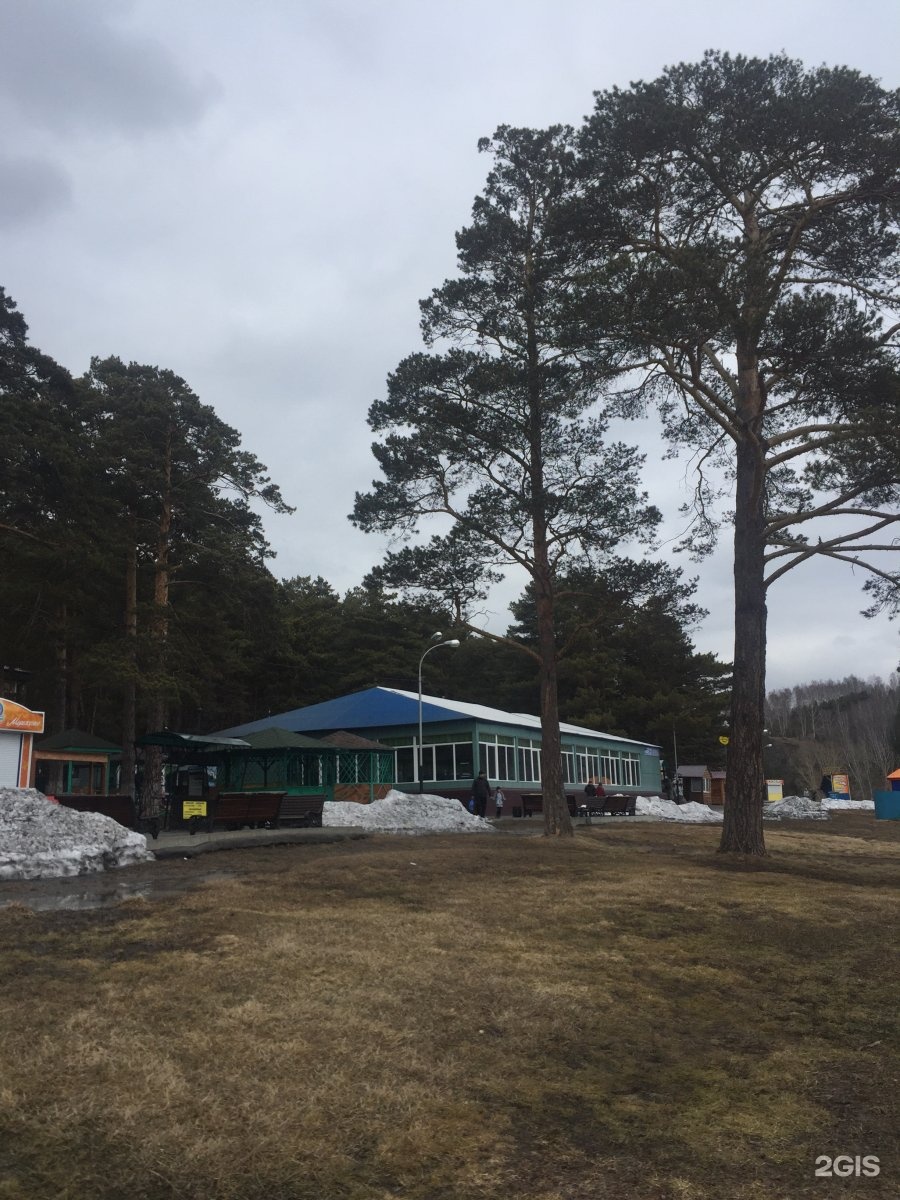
{"points": [[481, 790]]}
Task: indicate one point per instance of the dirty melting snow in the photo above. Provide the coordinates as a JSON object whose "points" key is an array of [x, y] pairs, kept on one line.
{"points": [[795, 808], [41, 840], [402, 813], [668, 810], [791, 808]]}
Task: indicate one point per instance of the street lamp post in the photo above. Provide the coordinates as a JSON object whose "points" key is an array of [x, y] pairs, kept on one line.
{"points": [[676, 784], [436, 639]]}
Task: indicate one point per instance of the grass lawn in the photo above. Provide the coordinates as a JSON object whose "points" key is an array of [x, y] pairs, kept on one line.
{"points": [[460, 1017]]}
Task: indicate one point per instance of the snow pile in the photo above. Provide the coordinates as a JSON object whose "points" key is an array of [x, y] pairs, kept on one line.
{"points": [[39, 839], [795, 808], [400, 813], [855, 805], [668, 810]]}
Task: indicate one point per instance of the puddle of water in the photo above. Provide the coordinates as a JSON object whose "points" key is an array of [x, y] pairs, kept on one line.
{"points": [[110, 896]]}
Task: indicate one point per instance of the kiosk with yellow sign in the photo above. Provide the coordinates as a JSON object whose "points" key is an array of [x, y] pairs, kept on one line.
{"points": [[18, 725]]}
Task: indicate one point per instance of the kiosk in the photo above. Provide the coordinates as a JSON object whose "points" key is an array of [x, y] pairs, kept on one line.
{"points": [[18, 725]]}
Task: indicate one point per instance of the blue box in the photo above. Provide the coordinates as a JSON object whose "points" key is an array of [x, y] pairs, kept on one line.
{"points": [[887, 806]]}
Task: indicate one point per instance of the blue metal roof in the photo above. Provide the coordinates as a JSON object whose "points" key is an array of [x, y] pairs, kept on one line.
{"points": [[371, 709]]}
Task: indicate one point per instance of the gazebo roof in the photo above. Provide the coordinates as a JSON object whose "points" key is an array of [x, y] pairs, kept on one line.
{"points": [[188, 741], [352, 741], [275, 738], [77, 741]]}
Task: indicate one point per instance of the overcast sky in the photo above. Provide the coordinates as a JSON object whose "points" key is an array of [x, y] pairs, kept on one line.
{"points": [[256, 196]]}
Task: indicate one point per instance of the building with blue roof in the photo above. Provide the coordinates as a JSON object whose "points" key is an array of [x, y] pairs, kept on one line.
{"points": [[459, 739]]}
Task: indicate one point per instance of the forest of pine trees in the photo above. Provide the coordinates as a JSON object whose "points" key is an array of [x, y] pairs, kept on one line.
{"points": [[138, 593]]}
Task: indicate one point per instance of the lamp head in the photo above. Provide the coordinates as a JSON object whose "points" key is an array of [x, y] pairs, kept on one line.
{"points": [[454, 642], [436, 637]]}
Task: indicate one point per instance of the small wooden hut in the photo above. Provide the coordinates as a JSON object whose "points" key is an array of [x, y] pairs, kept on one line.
{"points": [[75, 763]]}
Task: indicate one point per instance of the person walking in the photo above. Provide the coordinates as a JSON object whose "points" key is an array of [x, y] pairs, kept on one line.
{"points": [[499, 801], [481, 790]]}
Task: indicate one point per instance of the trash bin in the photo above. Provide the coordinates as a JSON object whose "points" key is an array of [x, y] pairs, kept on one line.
{"points": [[887, 806], [517, 812]]}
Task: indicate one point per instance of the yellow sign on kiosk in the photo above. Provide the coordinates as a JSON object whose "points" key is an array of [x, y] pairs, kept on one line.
{"points": [[193, 808], [19, 718]]}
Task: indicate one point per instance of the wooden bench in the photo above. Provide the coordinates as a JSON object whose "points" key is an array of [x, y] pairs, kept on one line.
{"points": [[590, 806], [620, 805], [615, 805], [303, 810], [121, 808], [234, 810], [533, 802]]}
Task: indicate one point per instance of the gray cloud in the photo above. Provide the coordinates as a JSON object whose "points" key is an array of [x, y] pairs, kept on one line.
{"points": [[76, 67], [274, 257], [31, 188]]}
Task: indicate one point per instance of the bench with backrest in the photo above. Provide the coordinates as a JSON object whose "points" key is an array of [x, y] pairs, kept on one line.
{"points": [[121, 808], [533, 802], [615, 805], [235, 810], [302, 810], [590, 806], [620, 805]]}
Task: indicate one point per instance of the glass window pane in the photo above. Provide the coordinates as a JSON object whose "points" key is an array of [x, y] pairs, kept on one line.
{"points": [[427, 762], [464, 764], [405, 765], [444, 756]]}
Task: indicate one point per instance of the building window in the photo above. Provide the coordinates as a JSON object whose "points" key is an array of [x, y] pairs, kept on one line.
{"points": [[465, 760], [445, 768], [631, 769], [588, 764], [529, 761], [497, 758], [405, 768], [568, 766], [442, 761]]}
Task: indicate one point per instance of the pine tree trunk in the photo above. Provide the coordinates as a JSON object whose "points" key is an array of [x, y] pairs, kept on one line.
{"points": [[556, 812], [129, 696], [154, 790], [60, 711], [557, 821], [742, 831]]}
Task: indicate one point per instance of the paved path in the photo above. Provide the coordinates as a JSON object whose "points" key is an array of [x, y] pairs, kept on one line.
{"points": [[178, 843]]}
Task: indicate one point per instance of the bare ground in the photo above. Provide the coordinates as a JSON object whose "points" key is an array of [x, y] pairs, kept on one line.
{"points": [[451, 1018]]}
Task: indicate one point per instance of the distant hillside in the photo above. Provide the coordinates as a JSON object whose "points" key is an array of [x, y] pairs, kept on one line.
{"points": [[850, 726]]}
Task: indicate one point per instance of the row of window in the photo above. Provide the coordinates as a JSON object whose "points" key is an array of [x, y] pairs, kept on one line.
{"points": [[501, 759], [621, 768]]}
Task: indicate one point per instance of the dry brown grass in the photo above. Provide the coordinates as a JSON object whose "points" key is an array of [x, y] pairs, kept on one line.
{"points": [[450, 1018]]}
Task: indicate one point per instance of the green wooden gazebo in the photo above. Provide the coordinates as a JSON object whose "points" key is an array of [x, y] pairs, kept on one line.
{"points": [[339, 766], [278, 760], [73, 761]]}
